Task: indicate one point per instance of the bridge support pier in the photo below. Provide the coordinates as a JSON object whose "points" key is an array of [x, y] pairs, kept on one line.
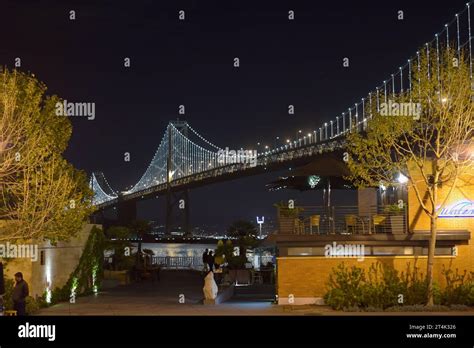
{"points": [[126, 212], [177, 211]]}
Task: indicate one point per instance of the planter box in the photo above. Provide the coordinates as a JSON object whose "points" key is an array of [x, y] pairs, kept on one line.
{"points": [[286, 225], [397, 224], [121, 276], [239, 276]]}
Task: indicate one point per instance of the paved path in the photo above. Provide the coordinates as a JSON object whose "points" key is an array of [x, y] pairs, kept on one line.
{"points": [[162, 298]]}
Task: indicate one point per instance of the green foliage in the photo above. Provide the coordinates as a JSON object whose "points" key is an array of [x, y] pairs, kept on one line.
{"points": [[86, 278], [237, 262], [459, 288], [140, 227], [395, 208], [7, 298], [246, 233], [32, 305], [284, 211], [380, 287], [424, 145], [42, 195], [345, 287], [121, 261], [224, 252], [225, 249]]}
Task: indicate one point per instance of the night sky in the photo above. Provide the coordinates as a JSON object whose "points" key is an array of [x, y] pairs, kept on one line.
{"points": [[190, 62]]}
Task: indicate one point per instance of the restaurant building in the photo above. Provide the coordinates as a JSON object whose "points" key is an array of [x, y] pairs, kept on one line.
{"points": [[387, 225]]}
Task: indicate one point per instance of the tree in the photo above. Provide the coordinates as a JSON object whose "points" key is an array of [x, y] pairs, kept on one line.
{"points": [[42, 195], [245, 232], [140, 228], [117, 240], [432, 148]]}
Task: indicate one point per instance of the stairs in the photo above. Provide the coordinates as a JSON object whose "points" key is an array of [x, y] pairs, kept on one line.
{"points": [[258, 292]]}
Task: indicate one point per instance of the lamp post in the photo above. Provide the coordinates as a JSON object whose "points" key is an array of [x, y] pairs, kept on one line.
{"points": [[260, 222]]}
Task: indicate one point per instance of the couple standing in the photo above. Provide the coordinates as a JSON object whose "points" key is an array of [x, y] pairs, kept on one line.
{"points": [[208, 260]]}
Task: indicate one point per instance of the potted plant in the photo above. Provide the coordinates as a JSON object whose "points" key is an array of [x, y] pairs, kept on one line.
{"points": [[287, 217], [396, 216], [246, 233]]}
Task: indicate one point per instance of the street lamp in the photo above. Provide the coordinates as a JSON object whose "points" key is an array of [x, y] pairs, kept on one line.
{"points": [[260, 222]]}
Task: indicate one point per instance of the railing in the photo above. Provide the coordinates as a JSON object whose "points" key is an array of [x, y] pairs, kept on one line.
{"points": [[345, 220], [178, 262]]}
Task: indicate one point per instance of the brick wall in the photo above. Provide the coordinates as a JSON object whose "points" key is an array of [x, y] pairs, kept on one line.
{"points": [[464, 190], [306, 277]]}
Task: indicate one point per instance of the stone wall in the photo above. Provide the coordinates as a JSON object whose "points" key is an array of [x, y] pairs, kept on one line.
{"points": [[59, 262]]}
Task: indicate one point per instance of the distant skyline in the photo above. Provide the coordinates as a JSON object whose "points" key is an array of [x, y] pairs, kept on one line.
{"points": [[191, 62]]}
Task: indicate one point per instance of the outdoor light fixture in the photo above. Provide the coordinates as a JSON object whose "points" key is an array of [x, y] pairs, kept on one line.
{"points": [[402, 179], [260, 222]]}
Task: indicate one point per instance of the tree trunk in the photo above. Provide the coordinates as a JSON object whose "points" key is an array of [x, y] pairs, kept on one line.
{"points": [[431, 255]]}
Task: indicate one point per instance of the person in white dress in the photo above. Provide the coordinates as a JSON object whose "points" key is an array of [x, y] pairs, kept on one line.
{"points": [[210, 287]]}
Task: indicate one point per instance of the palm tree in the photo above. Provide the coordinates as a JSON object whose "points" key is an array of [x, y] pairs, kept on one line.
{"points": [[246, 232], [140, 228]]}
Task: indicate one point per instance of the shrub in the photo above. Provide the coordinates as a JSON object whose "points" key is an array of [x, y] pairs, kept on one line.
{"points": [[32, 305], [379, 287], [345, 287], [382, 288], [459, 288]]}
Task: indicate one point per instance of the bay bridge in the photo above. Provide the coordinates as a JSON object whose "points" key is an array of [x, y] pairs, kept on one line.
{"points": [[184, 159]]}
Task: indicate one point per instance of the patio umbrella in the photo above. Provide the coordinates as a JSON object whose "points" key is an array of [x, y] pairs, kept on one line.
{"points": [[325, 172]]}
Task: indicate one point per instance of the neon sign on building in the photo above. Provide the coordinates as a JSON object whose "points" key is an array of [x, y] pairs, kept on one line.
{"points": [[461, 209]]}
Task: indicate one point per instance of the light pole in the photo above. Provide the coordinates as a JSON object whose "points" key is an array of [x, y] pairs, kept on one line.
{"points": [[260, 222]]}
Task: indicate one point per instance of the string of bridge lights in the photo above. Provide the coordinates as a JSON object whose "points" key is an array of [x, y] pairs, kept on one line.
{"points": [[187, 159], [203, 139], [188, 156], [102, 196], [323, 135]]}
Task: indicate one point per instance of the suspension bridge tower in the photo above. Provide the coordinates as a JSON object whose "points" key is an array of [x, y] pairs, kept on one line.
{"points": [[177, 202]]}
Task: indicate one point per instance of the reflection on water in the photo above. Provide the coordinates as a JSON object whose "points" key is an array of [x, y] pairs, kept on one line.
{"points": [[177, 249]]}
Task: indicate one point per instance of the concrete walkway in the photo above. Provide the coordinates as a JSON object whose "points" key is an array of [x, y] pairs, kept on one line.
{"points": [[160, 298], [163, 298]]}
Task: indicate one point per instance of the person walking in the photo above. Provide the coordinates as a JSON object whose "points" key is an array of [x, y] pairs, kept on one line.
{"points": [[210, 261], [20, 293], [204, 259]]}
